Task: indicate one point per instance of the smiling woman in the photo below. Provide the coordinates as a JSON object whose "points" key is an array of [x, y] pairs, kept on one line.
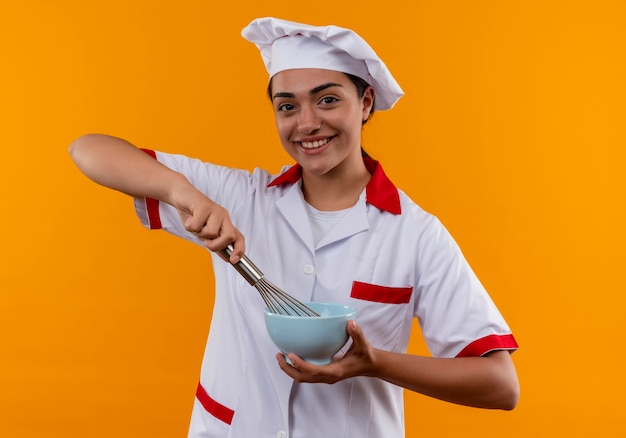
{"points": [[334, 229], [319, 116], [511, 132]]}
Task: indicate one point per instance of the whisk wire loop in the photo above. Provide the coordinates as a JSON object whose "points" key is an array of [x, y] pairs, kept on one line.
{"points": [[277, 300]]}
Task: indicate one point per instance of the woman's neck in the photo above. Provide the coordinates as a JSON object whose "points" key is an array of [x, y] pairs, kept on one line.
{"points": [[335, 190]]}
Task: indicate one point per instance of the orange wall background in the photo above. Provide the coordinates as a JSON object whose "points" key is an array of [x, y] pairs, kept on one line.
{"points": [[511, 131]]}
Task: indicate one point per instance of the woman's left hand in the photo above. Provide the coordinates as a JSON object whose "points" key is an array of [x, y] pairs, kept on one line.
{"points": [[358, 361]]}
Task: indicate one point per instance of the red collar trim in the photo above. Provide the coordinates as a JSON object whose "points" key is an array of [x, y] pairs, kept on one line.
{"points": [[380, 191]]}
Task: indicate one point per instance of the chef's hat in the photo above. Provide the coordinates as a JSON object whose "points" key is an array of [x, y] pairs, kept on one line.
{"points": [[288, 45]]}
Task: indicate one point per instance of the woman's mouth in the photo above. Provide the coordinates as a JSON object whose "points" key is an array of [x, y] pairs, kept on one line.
{"points": [[315, 144]]}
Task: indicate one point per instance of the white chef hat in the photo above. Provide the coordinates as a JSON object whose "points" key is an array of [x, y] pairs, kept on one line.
{"points": [[286, 45]]}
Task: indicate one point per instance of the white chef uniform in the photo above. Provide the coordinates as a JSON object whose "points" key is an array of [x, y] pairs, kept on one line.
{"points": [[386, 257]]}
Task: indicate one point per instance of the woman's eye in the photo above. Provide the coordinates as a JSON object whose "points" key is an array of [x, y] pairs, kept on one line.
{"points": [[328, 100], [285, 107]]}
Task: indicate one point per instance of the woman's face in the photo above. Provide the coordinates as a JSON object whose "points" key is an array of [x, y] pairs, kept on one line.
{"points": [[319, 117]]}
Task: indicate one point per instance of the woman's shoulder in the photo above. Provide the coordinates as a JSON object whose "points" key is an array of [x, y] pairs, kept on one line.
{"points": [[412, 209]]}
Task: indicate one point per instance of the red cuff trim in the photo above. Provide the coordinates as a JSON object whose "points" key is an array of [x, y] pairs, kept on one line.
{"points": [[152, 205], [482, 346], [214, 408]]}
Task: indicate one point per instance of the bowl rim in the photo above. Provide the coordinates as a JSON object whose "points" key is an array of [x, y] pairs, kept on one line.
{"points": [[349, 314]]}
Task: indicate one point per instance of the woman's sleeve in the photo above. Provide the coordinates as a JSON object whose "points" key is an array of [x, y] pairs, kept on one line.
{"points": [[226, 186], [457, 315]]}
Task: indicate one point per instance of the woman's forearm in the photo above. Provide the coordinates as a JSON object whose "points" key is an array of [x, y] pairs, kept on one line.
{"points": [[484, 382], [117, 164]]}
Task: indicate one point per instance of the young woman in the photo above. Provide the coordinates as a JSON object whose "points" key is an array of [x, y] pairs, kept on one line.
{"points": [[330, 228]]}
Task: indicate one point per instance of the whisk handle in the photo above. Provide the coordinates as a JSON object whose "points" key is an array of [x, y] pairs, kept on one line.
{"points": [[245, 267]]}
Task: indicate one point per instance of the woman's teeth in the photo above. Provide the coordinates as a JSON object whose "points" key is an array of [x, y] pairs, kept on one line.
{"points": [[314, 144]]}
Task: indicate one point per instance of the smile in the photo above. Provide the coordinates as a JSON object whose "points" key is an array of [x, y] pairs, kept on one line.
{"points": [[315, 144]]}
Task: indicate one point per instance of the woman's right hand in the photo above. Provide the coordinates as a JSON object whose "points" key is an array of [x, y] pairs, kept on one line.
{"points": [[209, 221]]}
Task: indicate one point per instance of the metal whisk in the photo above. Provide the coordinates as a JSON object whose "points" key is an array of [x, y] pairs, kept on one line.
{"points": [[277, 300]]}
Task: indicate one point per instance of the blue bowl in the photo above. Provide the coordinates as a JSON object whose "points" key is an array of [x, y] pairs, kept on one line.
{"points": [[314, 339]]}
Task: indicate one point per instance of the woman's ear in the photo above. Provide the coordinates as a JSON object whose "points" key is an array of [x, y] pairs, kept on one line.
{"points": [[368, 102]]}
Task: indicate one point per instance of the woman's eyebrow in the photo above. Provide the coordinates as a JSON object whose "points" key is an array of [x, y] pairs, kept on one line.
{"points": [[312, 92], [284, 94], [323, 87]]}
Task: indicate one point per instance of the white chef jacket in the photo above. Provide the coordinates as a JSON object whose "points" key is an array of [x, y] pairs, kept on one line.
{"points": [[386, 257]]}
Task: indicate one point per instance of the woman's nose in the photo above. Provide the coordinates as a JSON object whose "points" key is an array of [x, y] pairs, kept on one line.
{"points": [[308, 121]]}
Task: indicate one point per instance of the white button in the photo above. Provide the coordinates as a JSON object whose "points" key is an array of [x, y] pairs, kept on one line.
{"points": [[309, 269], [281, 434]]}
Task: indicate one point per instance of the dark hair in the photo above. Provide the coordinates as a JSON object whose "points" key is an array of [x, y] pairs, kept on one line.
{"points": [[360, 84]]}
